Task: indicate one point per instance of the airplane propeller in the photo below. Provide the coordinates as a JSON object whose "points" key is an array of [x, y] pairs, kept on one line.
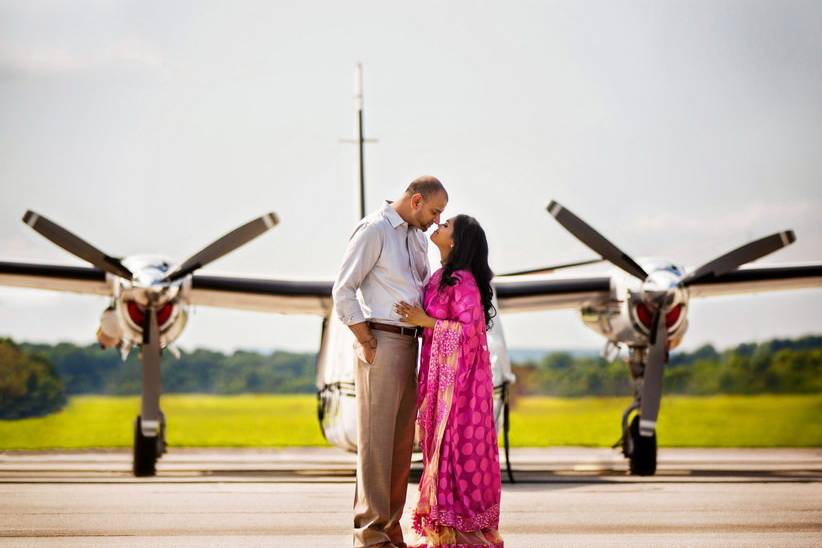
{"points": [[596, 241], [741, 255], [224, 245], [656, 300], [113, 265], [150, 407], [652, 379], [76, 245]]}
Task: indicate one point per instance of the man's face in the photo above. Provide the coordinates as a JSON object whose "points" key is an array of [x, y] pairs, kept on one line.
{"points": [[427, 212]]}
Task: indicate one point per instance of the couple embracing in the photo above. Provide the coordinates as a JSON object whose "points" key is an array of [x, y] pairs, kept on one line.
{"points": [[387, 296]]}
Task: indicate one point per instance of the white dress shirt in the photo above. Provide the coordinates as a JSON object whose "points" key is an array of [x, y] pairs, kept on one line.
{"points": [[386, 261]]}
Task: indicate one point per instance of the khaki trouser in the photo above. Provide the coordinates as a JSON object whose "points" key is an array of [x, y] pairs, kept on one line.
{"points": [[386, 409]]}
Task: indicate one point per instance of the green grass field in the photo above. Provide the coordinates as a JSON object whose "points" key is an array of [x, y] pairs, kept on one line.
{"points": [[290, 420]]}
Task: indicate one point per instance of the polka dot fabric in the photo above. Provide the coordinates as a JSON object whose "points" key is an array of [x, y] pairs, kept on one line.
{"points": [[460, 488]]}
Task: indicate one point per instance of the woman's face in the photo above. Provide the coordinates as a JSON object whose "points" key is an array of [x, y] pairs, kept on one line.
{"points": [[443, 236]]}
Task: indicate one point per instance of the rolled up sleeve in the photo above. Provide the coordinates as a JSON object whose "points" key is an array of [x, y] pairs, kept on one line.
{"points": [[361, 255]]}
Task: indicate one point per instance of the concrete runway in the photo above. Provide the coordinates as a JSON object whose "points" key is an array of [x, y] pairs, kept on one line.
{"points": [[302, 497]]}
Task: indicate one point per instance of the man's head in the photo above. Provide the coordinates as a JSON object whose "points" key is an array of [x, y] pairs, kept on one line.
{"points": [[426, 198]]}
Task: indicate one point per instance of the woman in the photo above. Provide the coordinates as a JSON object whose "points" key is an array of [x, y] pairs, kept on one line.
{"points": [[460, 485]]}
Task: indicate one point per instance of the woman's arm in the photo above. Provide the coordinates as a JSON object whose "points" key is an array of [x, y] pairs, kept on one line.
{"points": [[414, 315], [464, 307]]}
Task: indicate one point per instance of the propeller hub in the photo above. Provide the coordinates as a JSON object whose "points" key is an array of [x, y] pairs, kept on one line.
{"points": [[661, 286], [149, 271], [661, 294], [149, 286]]}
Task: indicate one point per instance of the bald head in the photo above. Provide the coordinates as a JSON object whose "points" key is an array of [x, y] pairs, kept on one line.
{"points": [[427, 186], [423, 202]]}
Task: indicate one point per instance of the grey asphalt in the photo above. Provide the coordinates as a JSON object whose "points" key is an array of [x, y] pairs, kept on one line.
{"points": [[303, 497]]}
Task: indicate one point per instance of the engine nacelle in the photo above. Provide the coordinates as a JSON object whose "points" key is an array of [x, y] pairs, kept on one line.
{"points": [[627, 318], [121, 324]]}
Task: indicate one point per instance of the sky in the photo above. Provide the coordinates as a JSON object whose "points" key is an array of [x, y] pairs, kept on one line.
{"points": [[678, 129]]}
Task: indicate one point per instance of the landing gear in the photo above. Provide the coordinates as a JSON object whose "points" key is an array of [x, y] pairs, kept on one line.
{"points": [[147, 449], [145, 452], [638, 446], [506, 426], [642, 459]]}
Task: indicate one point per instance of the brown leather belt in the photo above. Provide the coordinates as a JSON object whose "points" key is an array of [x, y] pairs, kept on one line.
{"points": [[408, 331]]}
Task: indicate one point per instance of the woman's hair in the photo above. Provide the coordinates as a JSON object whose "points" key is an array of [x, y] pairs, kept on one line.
{"points": [[470, 252]]}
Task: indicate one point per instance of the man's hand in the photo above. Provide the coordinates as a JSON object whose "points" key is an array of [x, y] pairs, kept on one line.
{"points": [[366, 345], [367, 350]]}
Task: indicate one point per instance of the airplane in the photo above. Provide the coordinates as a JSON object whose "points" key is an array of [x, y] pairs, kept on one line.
{"points": [[641, 306], [644, 306]]}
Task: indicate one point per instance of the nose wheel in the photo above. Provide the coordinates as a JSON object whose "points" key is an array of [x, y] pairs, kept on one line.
{"points": [[147, 449], [640, 450]]}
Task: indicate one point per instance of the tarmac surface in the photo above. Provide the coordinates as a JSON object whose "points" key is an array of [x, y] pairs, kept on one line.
{"points": [[303, 497]]}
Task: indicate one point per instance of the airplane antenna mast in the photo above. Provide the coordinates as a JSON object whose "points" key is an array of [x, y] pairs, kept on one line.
{"points": [[359, 137]]}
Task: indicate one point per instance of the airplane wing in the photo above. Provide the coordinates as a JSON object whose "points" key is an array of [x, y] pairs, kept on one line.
{"points": [[753, 279], [519, 294], [262, 295], [314, 297], [514, 293], [265, 295], [75, 279]]}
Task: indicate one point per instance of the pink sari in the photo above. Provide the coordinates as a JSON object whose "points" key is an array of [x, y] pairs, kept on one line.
{"points": [[460, 485]]}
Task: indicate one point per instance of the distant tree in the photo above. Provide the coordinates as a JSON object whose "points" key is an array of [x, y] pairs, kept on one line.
{"points": [[29, 386], [706, 353]]}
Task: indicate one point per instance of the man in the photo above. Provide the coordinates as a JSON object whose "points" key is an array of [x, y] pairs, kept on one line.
{"points": [[387, 262]]}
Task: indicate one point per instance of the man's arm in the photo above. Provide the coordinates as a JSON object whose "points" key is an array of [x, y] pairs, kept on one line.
{"points": [[361, 255]]}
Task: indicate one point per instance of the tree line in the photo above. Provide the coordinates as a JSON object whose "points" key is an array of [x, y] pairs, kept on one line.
{"points": [[36, 379], [29, 371], [779, 366]]}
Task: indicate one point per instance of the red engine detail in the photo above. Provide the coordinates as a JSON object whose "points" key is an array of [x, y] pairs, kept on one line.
{"points": [[673, 315], [644, 315], [165, 313], [138, 314]]}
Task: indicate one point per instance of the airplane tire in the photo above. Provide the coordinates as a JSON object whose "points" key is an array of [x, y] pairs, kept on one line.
{"points": [[145, 452], [643, 457]]}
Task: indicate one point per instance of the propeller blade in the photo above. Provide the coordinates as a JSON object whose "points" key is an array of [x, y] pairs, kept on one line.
{"points": [[75, 245], [742, 255], [224, 245], [652, 378], [150, 405], [549, 269], [596, 241]]}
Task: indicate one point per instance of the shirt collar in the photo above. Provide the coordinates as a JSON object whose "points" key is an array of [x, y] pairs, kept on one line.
{"points": [[392, 215]]}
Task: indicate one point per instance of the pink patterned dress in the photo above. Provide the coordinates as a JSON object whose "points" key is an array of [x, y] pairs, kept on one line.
{"points": [[460, 485]]}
